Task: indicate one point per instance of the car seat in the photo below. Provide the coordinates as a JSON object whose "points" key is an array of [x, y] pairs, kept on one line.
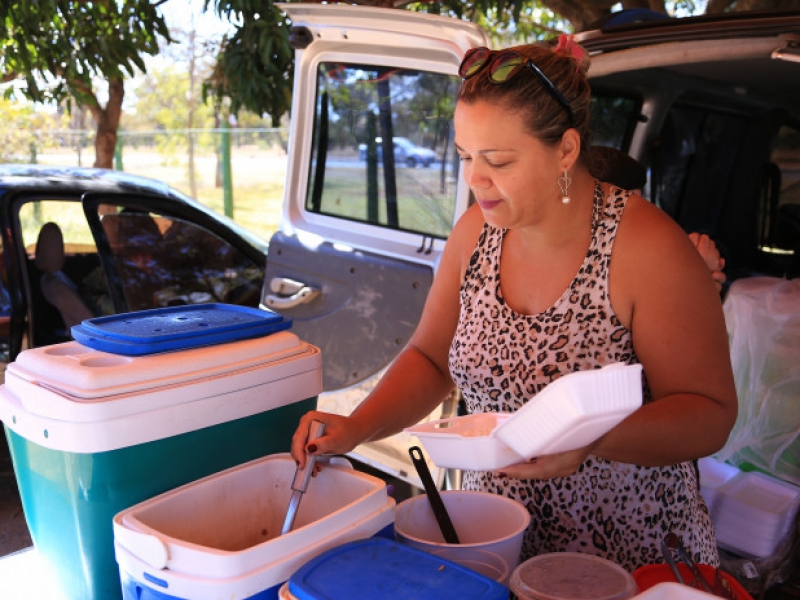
{"points": [[137, 246], [58, 289]]}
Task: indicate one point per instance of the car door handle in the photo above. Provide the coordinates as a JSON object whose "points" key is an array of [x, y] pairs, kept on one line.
{"points": [[289, 293]]}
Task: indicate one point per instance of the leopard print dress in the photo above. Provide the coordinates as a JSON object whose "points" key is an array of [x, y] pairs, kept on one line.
{"points": [[500, 358]]}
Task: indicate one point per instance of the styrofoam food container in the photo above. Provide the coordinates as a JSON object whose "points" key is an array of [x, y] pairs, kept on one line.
{"points": [[467, 442], [222, 534], [571, 576], [490, 528], [569, 413], [672, 591], [574, 410], [713, 474], [754, 512]]}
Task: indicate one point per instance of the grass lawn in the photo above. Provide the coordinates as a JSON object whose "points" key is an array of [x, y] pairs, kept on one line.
{"points": [[258, 180]]}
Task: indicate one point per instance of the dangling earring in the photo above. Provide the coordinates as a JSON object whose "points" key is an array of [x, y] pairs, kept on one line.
{"points": [[563, 184]]}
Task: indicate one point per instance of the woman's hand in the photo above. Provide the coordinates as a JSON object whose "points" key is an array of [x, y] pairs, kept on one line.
{"points": [[340, 436], [549, 466], [711, 256]]}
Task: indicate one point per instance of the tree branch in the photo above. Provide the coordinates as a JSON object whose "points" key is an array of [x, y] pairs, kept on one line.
{"points": [[717, 6]]}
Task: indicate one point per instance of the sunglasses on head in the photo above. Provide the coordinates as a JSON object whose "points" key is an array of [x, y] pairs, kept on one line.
{"points": [[504, 65]]}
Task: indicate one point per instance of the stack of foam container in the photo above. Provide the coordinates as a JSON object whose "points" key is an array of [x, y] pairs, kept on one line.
{"points": [[148, 402], [752, 512]]}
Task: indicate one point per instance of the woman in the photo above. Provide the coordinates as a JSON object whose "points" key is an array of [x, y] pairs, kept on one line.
{"points": [[552, 272]]}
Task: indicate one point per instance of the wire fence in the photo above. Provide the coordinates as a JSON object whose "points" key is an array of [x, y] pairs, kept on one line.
{"points": [[190, 160]]}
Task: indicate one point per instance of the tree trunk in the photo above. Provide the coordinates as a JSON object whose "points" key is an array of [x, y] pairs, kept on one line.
{"points": [[107, 123]]}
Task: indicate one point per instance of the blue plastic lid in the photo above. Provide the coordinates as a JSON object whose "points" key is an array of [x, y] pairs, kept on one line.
{"points": [[379, 568], [176, 328]]}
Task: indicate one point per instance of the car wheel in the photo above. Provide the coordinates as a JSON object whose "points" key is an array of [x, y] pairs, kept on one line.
{"points": [[411, 162]]}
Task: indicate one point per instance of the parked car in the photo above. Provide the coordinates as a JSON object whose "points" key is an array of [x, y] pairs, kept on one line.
{"points": [[709, 105], [126, 243], [405, 152]]}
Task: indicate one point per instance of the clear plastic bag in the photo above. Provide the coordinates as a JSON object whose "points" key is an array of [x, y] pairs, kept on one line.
{"points": [[763, 321]]}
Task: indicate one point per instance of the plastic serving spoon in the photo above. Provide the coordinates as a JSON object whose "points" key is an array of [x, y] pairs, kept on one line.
{"points": [[439, 510]]}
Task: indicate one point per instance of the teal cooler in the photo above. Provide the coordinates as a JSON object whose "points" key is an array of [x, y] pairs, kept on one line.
{"points": [[92, 433]]}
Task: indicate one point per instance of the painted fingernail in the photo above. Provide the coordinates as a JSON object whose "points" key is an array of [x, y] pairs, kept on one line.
{"points": [[502, 475], [312, 448]]}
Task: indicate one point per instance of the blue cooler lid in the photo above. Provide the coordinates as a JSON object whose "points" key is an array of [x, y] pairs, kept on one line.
{"points": [[379, 568], [177, 328]]}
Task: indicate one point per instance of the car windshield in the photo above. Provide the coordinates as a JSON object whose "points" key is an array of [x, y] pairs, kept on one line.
{"points": [[410, 186]]}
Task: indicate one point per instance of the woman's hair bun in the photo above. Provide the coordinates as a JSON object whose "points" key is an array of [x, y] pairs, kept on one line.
{"points": [[565, 45]]}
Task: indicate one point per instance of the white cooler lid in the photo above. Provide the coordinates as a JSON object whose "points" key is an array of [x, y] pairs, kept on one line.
{"points": [[80, 372], [73, 383], [154, 396]]}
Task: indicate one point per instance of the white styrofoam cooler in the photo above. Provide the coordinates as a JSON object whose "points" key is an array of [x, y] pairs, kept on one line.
{"points": [[65, 391], [219, 537]]}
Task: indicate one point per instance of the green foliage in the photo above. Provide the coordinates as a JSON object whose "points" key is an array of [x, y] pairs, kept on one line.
{"points": [[508, 23], [24, 132], [162, 102], [58, 46], [255, 66]]}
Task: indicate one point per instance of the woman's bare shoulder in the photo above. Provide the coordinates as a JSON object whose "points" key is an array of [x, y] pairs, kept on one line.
{"points": [[648, 233], [653, 259], [466, 232]]}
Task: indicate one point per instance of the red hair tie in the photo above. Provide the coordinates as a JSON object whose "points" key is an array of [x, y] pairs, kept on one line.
{"points": [[567, 46]]}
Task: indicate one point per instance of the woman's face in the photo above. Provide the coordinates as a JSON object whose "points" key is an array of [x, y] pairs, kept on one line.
{"points": [[513, 176]]}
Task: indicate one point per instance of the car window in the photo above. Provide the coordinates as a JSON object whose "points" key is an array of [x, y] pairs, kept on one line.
{"points": [[78, 276], [166, 261], [694, 160], [5, 310], [69, 217], [612, 119], [780, 217], [358, 107]]}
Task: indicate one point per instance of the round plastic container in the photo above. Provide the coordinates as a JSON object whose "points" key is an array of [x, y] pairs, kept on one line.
{"points": [[571, 576], [489, 528], [284, 593]]}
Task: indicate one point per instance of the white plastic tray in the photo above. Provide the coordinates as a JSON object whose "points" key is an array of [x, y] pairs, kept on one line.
{"points": [[570, 413]]}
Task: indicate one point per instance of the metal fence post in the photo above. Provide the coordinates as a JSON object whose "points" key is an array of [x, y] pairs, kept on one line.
{"points": [[227, 184], [118, 154]]}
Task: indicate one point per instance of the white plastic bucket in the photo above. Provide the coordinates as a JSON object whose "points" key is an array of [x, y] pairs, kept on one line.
{"points": [[489, 527]]}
